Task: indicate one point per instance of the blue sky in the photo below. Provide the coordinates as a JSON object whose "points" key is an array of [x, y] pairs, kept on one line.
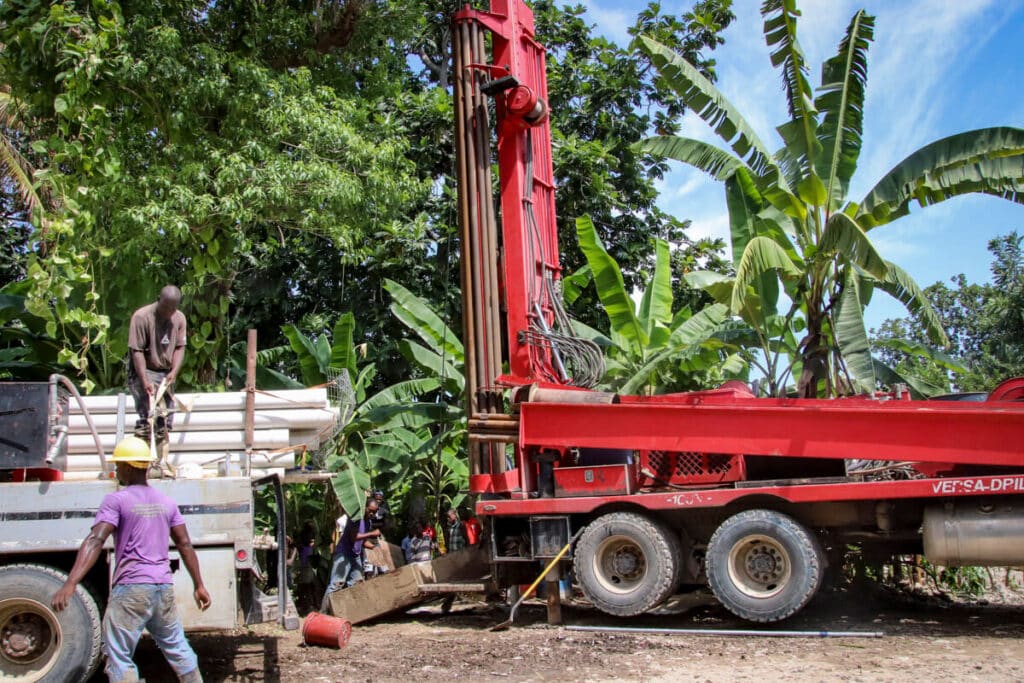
{"points": [[935, 68]]}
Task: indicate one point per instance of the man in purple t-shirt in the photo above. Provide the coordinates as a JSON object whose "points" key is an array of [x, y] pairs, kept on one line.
{"points": [[142, 595]]}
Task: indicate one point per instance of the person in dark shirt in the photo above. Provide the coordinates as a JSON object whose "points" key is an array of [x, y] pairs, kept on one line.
{"points": [[347, 566], [156, 349], [381, 516]]}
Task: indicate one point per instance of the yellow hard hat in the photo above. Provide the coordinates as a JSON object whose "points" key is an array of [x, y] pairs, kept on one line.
{"points": [[133, 451]]}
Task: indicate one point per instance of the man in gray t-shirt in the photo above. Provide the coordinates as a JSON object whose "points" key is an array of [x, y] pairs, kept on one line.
{"points": [[156, 349]]}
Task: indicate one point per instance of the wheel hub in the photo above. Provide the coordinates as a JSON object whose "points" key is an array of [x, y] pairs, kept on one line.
{"points": [[626, 562], [764, 563], [759, 566], [620, 564], [25, 637]]}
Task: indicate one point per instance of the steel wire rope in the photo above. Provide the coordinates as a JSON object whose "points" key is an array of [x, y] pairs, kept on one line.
{"points": [[569, 350]]}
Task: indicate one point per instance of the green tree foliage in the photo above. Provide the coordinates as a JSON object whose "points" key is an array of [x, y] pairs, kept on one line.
{"points": [[282, 160], [984, 322], [187, 137], [793, 229]]}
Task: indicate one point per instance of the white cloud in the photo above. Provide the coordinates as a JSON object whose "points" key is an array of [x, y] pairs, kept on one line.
{"points": [[612, 22]]}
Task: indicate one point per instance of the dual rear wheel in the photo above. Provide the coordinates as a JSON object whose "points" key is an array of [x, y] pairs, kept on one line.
{"points": [[38, 644], [762, 565]]}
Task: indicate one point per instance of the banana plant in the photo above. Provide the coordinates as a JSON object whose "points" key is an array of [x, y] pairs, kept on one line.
{"points": [[796, 236], [651, 348], [409, 428]]}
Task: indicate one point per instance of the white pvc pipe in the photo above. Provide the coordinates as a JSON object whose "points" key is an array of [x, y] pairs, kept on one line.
{"points": [[303, 418], [285, 399], [208, 473], [208, 460], [311, 438], [192, 441]]}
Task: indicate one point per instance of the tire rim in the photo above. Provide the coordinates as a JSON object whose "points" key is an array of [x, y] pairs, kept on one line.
{"points": [[759, 566], [30, 638], [620, 565]]}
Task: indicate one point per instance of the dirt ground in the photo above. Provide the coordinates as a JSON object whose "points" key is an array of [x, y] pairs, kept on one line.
{"points": [[923, 640]]}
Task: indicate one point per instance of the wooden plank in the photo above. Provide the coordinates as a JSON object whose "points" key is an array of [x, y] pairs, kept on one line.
{"points": [[400, 589]]}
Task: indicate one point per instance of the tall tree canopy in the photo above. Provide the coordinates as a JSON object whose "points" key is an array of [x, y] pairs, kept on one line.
{"points": [[279, 161], [984, 322]]}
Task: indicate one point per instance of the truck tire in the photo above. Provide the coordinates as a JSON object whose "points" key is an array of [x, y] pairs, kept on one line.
{"points": [[764, 566], [38, 644], [627, 563]]}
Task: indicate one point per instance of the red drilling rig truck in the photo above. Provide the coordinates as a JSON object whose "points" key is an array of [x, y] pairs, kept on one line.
{"points": [[753, 496]]}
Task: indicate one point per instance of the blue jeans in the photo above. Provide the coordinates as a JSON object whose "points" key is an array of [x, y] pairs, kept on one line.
{"points": [[150, 606], [345, 571]]}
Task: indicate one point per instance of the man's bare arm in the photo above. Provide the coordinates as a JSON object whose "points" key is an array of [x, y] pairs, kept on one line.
{"points": [[88, 554], [139, 363], [179, 534], [177, 358]]}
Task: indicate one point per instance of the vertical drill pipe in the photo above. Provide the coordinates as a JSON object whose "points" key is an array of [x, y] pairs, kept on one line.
{"points": [[483, 237], [250, 398], [465, 169], [494, 452], [481, 165], [490, 254]]}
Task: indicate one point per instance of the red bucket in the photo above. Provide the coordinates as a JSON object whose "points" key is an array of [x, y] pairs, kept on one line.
{"points": [[320, 629]]}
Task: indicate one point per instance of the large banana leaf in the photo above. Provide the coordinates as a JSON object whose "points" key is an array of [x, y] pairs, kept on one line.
{"points": [[584, 331], [311, 364], [912, 348], [989, 161], [780, 19], [841, 101], [572, 285], [611, 288], [434, 363], [710, 104], [761, 256], [852, 335], [684, 339], [904, 289], [350, 484], [716, 162], [919, 388], [343, 355], [656, 303], [843, 236], [744, 203], [421, 319], [401, 392], [718, 286]]}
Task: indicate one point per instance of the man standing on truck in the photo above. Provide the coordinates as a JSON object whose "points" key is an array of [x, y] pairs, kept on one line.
{"points": [[142, 594], [156, 348]]}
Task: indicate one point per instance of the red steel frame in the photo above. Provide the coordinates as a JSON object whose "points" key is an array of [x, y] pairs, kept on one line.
{"points": [[530, 254], [941, 435]]}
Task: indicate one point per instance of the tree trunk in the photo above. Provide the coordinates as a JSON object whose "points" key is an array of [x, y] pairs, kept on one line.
{"points": [[814, 353]]}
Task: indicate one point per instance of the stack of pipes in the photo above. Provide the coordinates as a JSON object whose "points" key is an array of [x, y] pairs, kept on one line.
{"points": [[478, 230], [209, 430]]}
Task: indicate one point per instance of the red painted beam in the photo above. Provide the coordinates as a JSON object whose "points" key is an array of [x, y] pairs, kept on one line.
{"points": [[919, 431]]}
